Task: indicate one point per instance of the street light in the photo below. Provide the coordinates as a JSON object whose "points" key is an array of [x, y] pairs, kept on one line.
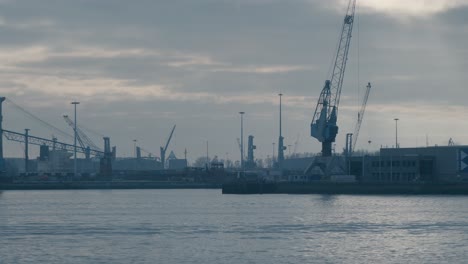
{"points": [[74, 141], [396, 132], [242, 139]]}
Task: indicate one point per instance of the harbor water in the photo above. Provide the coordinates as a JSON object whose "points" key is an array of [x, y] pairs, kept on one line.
{"points": [[204, 226]]}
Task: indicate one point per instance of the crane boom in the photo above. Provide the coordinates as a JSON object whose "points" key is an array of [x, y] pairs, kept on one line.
{"points": [[323, 126], [83, 138], [360, 116], [78, 137], [170, 137], [163, 150]]}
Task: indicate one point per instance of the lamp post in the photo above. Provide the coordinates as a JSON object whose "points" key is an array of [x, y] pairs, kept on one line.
{"points": [[242, 139], [396, 132], [74, 141]]}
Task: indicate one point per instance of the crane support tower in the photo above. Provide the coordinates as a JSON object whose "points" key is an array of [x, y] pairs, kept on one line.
{"points": [[360, 117], [323, 126], [250, 153], [105, 167]]}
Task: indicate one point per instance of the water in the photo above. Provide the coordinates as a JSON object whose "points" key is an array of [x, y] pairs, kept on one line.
{"points": [[204, 226]]}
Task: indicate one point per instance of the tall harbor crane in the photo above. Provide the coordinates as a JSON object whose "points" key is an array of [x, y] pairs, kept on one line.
{"points": [[360, 116], [163, 150], [323, 126]]}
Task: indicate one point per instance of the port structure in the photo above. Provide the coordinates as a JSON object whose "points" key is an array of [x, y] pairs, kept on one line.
{"points": [[324, 123], [53, 143]]}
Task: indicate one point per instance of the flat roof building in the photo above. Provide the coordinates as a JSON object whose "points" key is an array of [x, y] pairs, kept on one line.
{"points": [[423, 164]]}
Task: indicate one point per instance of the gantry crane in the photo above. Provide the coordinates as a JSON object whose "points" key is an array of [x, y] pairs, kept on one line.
{"points": [[360, 116], [323, 126], [54, 144]]}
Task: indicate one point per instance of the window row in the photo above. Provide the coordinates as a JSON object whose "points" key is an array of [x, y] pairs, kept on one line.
{"points": [[394, 163]]}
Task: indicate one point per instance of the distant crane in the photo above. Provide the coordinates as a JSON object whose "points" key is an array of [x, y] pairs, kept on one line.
{"points": [[323, 126], [451, 142], [163, 150], [296, 144], [84, 141], [357, 127], [240, 148], [150, 154], [239, 144]]}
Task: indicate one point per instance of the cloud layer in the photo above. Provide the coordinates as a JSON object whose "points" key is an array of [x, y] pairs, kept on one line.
{"points": [[139, 67]]}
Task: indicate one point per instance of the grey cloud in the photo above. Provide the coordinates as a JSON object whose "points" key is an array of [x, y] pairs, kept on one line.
{"points": [[420, 61]]}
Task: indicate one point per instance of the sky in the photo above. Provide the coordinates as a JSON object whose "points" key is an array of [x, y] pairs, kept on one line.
{"points": [[139, 67]]}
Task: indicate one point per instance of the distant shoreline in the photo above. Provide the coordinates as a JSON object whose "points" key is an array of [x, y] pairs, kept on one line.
{"points": [[106, 185], [344, 188]]}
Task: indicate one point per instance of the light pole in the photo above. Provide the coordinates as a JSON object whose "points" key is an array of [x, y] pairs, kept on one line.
{"points": [[396, 132], [242, 139], [74, 141]]}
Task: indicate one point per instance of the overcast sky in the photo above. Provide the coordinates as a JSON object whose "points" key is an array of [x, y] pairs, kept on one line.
{"points": [[139, 67]]}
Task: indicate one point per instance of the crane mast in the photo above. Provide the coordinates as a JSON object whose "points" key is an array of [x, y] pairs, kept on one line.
{"points": [[323, 126]]}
